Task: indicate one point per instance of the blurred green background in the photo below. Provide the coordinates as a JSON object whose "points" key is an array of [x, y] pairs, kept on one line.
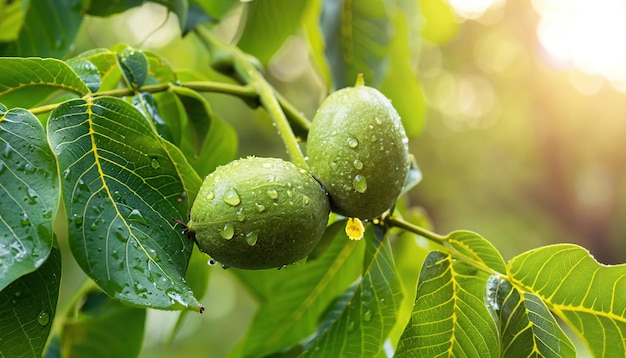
{"points": [[523, 140]]}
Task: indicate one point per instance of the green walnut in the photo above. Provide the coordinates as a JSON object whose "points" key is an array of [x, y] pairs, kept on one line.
{"points": [[258, 213], [358, 149]]}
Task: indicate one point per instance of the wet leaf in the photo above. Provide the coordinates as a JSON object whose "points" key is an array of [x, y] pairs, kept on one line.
{"points": [[29, 194], [27, 309], [121, 190], [134, 65]]}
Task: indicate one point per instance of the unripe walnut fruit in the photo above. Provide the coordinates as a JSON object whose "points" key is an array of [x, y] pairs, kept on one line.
{"points": [[358, 149], [258, 213]]}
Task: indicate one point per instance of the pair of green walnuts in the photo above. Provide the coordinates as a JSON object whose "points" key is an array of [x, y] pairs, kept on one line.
{"points": [[258, 213]]}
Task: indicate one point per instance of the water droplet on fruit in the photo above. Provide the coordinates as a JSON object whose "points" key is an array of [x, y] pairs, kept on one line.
{"points": [[154, 163], [43, 319], [358, 164], [333, 165], [273, 194], [378, 120], [367, 316], [374, 138], [267, 165], [240, 215], [260, 207], [252, 237], [289, 193], [210, 196], [305, 200], [212, 262], [352, 142], [359, 183], [231, 197], [227, 232]]}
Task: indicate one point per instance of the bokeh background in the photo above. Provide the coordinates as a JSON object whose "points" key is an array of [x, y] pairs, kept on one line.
{"points": [[523, 141]]}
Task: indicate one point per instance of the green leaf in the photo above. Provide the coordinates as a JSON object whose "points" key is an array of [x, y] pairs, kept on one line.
{"points": [[477, 249], [279, 19], [48, 31], [159, 71], [401, 84], [107, 8], [219, 148], [27, 308], [12, 15], [450, 316], [87, 71], [25, 82], [298, 295], [191, 180], [357, 35], [29, 194], [121, 190], [199, 116], [527, 328], [146, 104], [102, 327], [315, 40], [217, 9], [586, 295], [107, 65], [134, 65], [363, 325]]}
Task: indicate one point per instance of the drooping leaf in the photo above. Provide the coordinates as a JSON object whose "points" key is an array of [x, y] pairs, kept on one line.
{"points": [[298, 295], [357, 35], [199, 116], [102, 327], [401, 84], [134, 65], [278, 19], [477, 249], [362, 327], [121, 190], [29, 194], [449, 317], [107, 65], [12, 16], [25, 82], [27, 308], [48, 31], [87, 71], [588, 296], [527, 328]]}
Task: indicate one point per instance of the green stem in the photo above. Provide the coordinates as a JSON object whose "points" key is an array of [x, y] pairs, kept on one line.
{"points": [[444, 241], [249, 74]]}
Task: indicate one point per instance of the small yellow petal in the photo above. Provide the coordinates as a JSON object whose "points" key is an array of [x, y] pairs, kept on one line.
{"points": [[355, 229]]}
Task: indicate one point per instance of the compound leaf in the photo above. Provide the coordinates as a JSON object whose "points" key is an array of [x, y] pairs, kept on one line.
{"points": [[121, 190]]}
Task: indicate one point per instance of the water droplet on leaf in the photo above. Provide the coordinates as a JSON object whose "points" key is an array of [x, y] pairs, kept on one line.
{"points": [[43, 318], [367, 316], [135, 215], [154, 163]]}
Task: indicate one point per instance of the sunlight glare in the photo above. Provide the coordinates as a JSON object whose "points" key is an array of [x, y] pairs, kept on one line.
{"points": [[586, 35], [473, 9]]}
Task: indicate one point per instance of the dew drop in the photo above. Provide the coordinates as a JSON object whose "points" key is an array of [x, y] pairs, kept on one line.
{"points": [[273, 194], [212, 262], [260, 207], [231, 197], [210, 196], [1, 167], [43, 318], [135, 215], [8, 153], [227, 232], [305, 200], [289, 193], [116, 195], [267, 165], [358, 164], [154, 163], [378, 121], [359, 183], [367, 316], [240, 215], [373, 138], [78, 220], [25, 221], [351, 326], [352, 142], [333, 165], [252, 237]]}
